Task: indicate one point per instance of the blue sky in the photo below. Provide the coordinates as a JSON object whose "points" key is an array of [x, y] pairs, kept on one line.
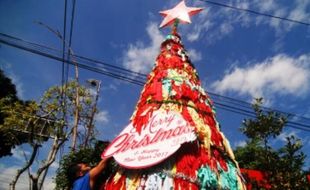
{"points": [[236, 54]]}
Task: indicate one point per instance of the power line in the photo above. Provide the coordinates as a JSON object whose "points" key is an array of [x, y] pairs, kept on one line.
{"points": [[252, 115], [70, 35], [41, 51], [48, 50], [126, 76], [256, 12], [71, 23], [248, 105], [228, 100], [136, 74], [64, 45], [233, 109], [65, 67], [130, 76]]}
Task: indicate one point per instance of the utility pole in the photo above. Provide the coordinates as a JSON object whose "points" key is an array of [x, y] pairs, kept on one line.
{"points": [[90, 128], [77, 97], [77, 104]]}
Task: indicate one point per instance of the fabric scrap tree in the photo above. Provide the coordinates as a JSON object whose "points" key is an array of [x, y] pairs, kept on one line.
{"points": [[173, 112]]}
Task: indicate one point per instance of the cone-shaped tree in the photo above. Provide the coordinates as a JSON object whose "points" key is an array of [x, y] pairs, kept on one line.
{"points": [[207, 162], [173, 140]]}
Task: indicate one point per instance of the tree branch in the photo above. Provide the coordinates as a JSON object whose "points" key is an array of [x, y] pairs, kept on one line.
{"points": [[28, 164]]}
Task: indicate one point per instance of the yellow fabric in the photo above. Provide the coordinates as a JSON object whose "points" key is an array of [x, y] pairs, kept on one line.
{"points": [[203, 129], [227, 147], [117, 176], [177, 75], [133, 182], [241, 185], [171, 107]]}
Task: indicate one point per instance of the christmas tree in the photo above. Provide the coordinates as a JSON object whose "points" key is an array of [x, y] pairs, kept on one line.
{"points": [[173, 140]]}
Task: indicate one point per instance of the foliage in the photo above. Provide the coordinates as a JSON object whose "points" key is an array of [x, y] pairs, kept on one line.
{"points": [[253, 155], [58, 106], [8, 95], [19, 122], [49, 120], [90, 155], [265, 125], [19, 125], [282, 167], [59, 103], [7, 88], [288, 173]]}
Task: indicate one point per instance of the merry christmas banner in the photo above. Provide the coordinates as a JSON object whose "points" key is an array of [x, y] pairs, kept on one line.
{"points": [[160, 138]]}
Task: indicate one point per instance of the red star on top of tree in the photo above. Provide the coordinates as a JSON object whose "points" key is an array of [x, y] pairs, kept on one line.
{"points": [[180, 13]]}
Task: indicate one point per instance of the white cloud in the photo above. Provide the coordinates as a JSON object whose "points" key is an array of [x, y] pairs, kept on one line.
{"points": [[240, 143], [54, 165], [7, 174], [218, 22], [102, 117], [307, 113], [292, 132], [194, 55], [111, 87], [282, 137], [266, 6], [141, 58], [280, 74], [19, 153], [18, 84], [49, 183], [271, 8], [201, 24], [193, 36], [300, 11], [226, 28], [6, 66]]}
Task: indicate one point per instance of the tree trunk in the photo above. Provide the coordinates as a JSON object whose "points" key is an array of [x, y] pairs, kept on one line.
{"points": [[34, 184], [50, 159], [28, 164], [76, 114]]}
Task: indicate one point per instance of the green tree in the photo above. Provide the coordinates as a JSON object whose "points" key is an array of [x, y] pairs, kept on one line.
{"points": [[7, 88], [289, 173], [90, 155], [265, 125], [10, 135], [282, 167], [51, 119], [8, 97]]}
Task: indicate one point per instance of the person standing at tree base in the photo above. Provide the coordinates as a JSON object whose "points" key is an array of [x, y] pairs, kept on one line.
{"points": [[82, 177]]}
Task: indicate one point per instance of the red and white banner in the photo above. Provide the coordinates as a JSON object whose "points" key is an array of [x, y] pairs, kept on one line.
{"points": [[160, 138]]}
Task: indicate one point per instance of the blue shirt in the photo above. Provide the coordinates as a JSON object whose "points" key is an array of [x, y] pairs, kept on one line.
{"points": [[82, 183]]}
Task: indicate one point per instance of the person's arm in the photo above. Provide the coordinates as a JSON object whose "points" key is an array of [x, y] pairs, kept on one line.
{"points": [[94, 172]]}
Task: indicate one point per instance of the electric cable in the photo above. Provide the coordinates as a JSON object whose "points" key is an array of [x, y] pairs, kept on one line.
{"points": [[64, 45], [42, 53], [256, 12], [49, 50], [39, 47], [70, 36], [131, 78]]}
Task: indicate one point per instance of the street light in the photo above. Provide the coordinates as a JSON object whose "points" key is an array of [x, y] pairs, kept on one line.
{"points": [[93, 82], [89, 127]]}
